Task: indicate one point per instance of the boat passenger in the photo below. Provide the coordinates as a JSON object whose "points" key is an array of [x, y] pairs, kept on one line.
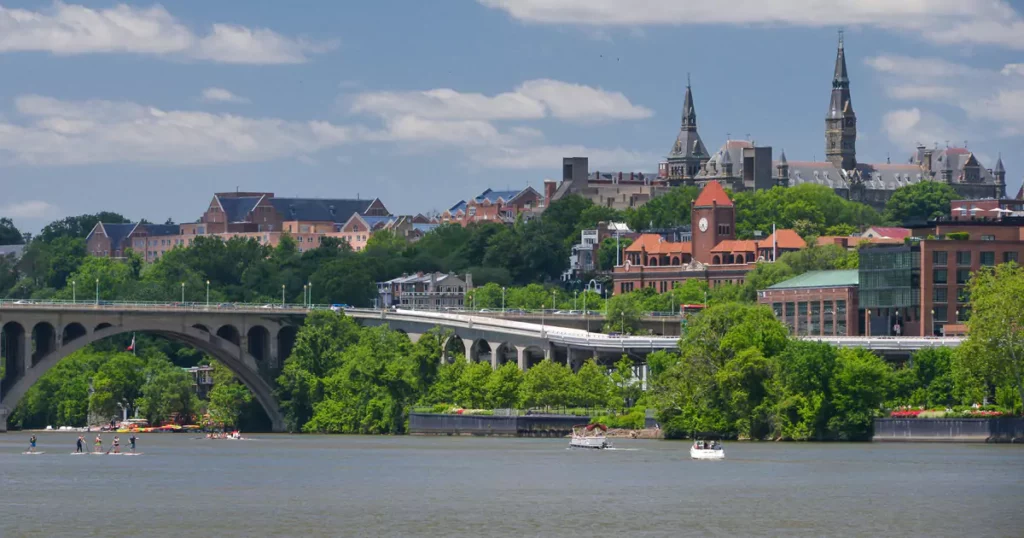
{"points": [[32, 443]]}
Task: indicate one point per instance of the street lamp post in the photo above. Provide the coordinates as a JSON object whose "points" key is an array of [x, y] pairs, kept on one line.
{"points": [[575, 294], [207, 294], [310, 302], [74, 293], [97, 292], [554, 303], [585, 315], [182, 294], [282, 295], [503, 300], [932, 319], [622, 316], [867, 324], [305, 302]]}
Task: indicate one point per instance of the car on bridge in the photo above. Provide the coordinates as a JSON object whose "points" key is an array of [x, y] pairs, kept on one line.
{"points": [[339, 307]]}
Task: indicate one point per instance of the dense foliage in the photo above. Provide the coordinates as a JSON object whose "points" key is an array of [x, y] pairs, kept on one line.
{"points": [[809, 209], [920, 202]]}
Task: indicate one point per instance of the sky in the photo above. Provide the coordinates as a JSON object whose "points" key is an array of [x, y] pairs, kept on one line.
{"points": [[148, 109]]}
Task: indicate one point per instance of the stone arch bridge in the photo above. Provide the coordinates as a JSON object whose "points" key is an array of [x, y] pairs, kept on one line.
{"points": [[253, 341]]}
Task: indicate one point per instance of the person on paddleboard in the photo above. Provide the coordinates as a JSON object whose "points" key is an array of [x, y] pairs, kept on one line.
{"points": [[132, 441], [117, 445], [80, 444], [32, 443], [99, 443]]}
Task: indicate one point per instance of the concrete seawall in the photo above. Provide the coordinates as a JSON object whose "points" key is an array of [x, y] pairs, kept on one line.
{"points": [[950, 430], [486, 425]]}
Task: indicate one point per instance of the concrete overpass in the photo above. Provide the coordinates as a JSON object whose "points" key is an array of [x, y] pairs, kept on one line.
{"points": [[253, 341]]}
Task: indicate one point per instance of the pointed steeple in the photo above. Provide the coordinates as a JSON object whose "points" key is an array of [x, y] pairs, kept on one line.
{"points": [[840, 104], [840, 120], [782, 159], [999, 164], [840, 78], [689, 113]]}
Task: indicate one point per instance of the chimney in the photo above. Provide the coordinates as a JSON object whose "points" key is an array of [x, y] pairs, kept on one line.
{"points": [[926, 159], [469, 281], [550, 186]]}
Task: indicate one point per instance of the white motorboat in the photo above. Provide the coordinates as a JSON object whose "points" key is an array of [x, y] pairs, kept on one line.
{"points": [[707, 450], [589, 436]]}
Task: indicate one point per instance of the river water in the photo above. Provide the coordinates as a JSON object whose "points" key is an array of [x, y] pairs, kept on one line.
{"points": [[279, 485]]}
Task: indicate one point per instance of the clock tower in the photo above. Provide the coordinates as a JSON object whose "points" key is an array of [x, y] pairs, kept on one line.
{"points": [[713, 220]]}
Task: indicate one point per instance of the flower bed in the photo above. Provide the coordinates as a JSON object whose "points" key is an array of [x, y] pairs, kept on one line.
{"points": [[947, 413]]}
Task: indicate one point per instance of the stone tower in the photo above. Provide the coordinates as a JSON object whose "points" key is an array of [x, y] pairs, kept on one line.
{"points": [[782, 171], [688, 153], [840, 121]]}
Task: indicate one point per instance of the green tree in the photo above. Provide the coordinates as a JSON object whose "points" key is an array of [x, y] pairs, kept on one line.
{"points": [[608, 254], [228, 397], [993, 353], [665, 211], [547, 384], [166, 392], [860, 383], [624, 313], [503, 386], [9, 233], [116, 384], [78, 226], [594, 386], [472, 387], [920, 201], [627, 386]]}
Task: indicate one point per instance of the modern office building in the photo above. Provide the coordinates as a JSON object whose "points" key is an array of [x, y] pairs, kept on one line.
{"points": [[817, 303]]}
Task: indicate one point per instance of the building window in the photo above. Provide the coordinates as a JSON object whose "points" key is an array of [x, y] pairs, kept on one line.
{"points": [[940, 276], [988, 238], [939, 257], [841, 318], [963, 276], [791, 316], [1009, 257], [963, 258], [801, 318], [940, 295], [941, 313], [988, 258], [815, 328]]}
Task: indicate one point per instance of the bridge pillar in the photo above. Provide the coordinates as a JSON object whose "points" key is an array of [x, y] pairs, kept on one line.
{"points": [[494, 354], [521, 357], [468, 344], [574, 360]]}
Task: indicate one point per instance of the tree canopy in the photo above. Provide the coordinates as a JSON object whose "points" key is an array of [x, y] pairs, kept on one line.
{"points": [[920, 201]]}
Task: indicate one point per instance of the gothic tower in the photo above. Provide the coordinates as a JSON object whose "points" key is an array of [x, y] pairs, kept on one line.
{"points": [[840, 121], [688, 153]]}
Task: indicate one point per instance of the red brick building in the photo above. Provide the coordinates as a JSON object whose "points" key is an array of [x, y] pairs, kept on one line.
{"points": [[713, 255], [494, 206], [817, 303]]}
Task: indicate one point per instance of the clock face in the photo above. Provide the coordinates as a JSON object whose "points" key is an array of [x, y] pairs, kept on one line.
{"points": [[703, 224]]}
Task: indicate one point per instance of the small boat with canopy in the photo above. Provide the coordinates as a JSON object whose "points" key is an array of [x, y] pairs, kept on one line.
{"points": [[589, 436], [707, 448]]}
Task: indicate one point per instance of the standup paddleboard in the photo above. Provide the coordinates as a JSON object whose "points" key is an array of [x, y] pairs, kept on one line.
{"points": [[132, 453], [33, 453], [79, 453]]}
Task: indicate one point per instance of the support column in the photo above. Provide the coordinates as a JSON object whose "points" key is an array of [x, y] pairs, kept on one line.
{"points": [[494, 354], [547, 351], [521, 357], [468, 344], [25, 349]]}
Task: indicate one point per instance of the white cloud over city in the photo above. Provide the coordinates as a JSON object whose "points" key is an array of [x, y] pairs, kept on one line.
{"points": [[991, 101], [30, 209], [220, 95], [69, 29], [967, 22], [61, 132]]}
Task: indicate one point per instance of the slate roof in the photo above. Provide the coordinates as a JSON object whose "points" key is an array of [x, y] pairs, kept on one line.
{"points": [[319, 209], [713, 194], [820, 173], [162, 229], [461, 205], [493, 196], [732, 153], [688, 143], [821, 279], [117, 233], [237, 209]]}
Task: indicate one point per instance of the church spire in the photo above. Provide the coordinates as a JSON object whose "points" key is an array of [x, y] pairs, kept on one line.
{"points": [[689, 113], [840, 120]]}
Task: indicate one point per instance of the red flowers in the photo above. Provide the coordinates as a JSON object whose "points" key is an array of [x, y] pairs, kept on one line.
{"points": [[906, 414]]}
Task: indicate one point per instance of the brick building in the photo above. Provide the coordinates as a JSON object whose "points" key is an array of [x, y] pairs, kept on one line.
{"points": [[494, 206], [922, 286], [817, 303], [148, 240], [618, 190], [424, 291], [713, 254]]}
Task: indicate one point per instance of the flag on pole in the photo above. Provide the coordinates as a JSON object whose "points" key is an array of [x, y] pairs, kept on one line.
{"points": [[131, 347]]}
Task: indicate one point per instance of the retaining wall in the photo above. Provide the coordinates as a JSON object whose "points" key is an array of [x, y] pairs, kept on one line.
{"points": [[524, 426], [950, 430]]}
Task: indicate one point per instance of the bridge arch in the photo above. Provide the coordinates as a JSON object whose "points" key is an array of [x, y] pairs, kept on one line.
{"points": [[12, 348], [286, 336], [241, 363], [480, 350], [72, 331], [503, 353], [102, 326], [44, 340], [258, 343], [230, 333], [452, 347]]}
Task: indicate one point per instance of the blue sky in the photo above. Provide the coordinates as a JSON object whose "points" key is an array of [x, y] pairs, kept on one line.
{"points": [[147, 109]]}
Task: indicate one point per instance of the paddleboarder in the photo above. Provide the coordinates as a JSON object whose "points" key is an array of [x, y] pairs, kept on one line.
{"points": [[116, 446], [99, 443], [32, 443], [132, 441], [79, 445]]}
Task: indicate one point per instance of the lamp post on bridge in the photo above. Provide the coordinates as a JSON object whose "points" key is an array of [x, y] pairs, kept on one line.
{"points": [[554, 302], [586, 316], [575, 294], [97, 292], [182, 294], [309, 302], [282, 295], [207, 294], [74, 294], [503, 300], [304, 302]]}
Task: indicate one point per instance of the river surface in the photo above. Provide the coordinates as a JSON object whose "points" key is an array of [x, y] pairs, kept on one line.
{"points": [[279, 485]]}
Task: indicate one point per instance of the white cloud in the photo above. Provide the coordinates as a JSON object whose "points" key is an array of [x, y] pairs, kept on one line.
{"points": [[550, 156], [989, 22], [1013, 69], [910, 67], [911, 127], [57, 132], [68, 29], [911, 92], [30, 209], [220, 95], [534, 99]]}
